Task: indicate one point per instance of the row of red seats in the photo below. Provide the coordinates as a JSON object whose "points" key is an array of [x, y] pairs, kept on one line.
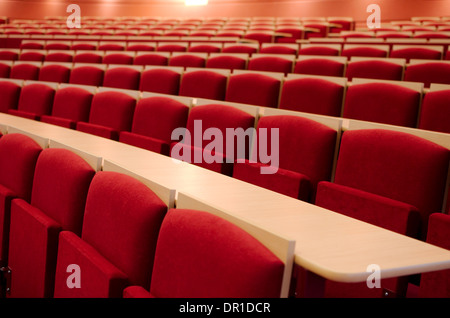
{"points": [[426, 50], [104, 234], [402, 103], [368, 185]]}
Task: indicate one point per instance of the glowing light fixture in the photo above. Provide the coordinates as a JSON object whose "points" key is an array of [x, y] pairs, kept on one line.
{"points": [[195, 2]]}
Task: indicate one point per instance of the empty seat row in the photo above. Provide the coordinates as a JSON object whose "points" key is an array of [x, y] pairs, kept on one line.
{"points": [[105, 234], [437, 51], [402, 103]]}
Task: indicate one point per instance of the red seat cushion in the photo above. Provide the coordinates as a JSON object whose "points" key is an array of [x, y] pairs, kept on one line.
{"points": [[435, 112]]}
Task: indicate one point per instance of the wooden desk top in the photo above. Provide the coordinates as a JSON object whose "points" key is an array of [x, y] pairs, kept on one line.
{"points": [[329, 244]]}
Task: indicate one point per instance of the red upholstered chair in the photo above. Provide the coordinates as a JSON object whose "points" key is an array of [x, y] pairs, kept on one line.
{"points": [[437, 284], [260, 36], [202, 47], [279, 48], [36, 99], [248, 48], [84, 45], [204, 83], [313, 94], [375, 50], [387, 102], [56, 204], [152, 58], [254, 88], [306, 151], [141, 46], [25, 70], [32, 45], [88, 57], [55, 72], [5, 68], [227, 61], [10, 92], [9, 54], [118, 241], [126, 77], [172, 47], [408, 52], [164, 80], [396, 191], [184, 60], [320, 49], [321, 65], [295, 33], [19, 154], [111, 46], [376, 68], [428, 72], [111, 112], [281, 63], [155, 118], [218, 118], [87, 74], [59, 56], [114, 57], [435, 110], [32, 55], [71, 104], [230, 263], [58, 45]]}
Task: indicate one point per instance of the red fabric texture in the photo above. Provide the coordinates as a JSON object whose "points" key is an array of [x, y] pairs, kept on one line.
{"points": [[54, 73], [428, 73], [270, 64], [374, 69], [435, 111], [25, 72], [111, 113], [437, 284], [317, 66], [278, 50], [414, 172], [226, 62], [151, 59], [205, 48], [121, 222], [204, 84], [32, 56], [118, 58], [35, 100], [216, 263], [19, 154], [416, 53], [70, 105], [59, 57], [239, 49], [10, 93], [87, 75], [312, 95], [122, 77], [187, 61], [254, 89], [383, 103], [318, 50], [171, 48], [98, 277], [306, 153], [162, 81], [148, 130], [87, 57], [364, 51]]}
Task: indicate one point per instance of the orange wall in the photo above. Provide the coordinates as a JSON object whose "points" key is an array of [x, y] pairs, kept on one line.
{"points": [[390, 9]]}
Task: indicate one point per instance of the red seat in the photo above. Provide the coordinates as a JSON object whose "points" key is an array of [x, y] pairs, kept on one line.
{"points": [[10, 92], [188, 59], [88, 57], [313, 94], [56, 204], [316, 65], [25, 71], [85, 74], [9, 54], [155, 118], [71, 105], [5, 69], [172, 47], [435, 111], [36, 99], [59, 73], [254, 88], [141, 46], [247, 48], [397, 192], [427, 52], [428, 72], [111, 112], [305, 156], [126, 77], [164, 80], [204, 83], [227, 61], [155, 58], [228, 264], [32, 55], [350, 50], [383, 102], [59, 56], [317, 49], [19, 154], [219, 159], [271, 63], [375, 68], [114, 57], [118, 240], [271, 48]]}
